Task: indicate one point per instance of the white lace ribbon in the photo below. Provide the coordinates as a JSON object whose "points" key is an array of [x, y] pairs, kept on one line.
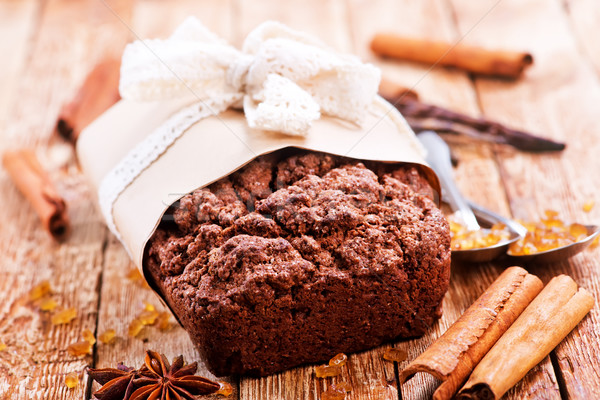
{"points": [[283, 79]]}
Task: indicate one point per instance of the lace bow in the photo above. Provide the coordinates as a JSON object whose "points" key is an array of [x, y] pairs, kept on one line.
{"points": [[284, 79]]}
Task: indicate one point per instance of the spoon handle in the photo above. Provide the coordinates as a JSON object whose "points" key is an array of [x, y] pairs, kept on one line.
{"points": [[438, 157]]}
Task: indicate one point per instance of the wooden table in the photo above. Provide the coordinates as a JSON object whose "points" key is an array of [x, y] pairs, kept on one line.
{"points": [[49, 45]]}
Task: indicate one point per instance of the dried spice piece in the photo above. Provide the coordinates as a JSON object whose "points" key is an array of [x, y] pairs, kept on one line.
{"points": [[72, 380], [79, 349], [391, 90], [135, 327], [89, 336], [396, 355], [452, 357], [107, 337], [477, 60], [99, 91], [48, 304], [134, 276], [117, 383], [424, 117], [39, 291], [539, 329], [174, 381], [64, 316], [35, 184], [327, 371], [225, 390], [339, 360]]}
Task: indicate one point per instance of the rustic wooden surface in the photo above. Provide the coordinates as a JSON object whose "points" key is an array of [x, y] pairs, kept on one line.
{"points": [[49, 45]]}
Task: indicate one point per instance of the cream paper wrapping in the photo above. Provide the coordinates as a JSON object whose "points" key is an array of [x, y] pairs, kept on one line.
{"points": [[167, 137], [214, 148]]}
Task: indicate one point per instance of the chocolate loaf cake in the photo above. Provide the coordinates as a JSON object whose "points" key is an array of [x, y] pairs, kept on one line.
{"points": [[295, 258]]}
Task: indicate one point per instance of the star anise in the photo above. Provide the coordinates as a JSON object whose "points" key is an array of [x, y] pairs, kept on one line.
{"points": [[156, 379], [117, 383]]}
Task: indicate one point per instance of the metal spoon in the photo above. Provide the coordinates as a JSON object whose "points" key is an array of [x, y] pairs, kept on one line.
{"points": [[548, 256], [438, 159]]}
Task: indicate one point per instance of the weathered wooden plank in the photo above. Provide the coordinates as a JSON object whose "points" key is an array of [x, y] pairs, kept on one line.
{"points": [[71, 39], [36, 360], [305, 16], [584, 16], [157, 19], [19, 22], [559, 96]]}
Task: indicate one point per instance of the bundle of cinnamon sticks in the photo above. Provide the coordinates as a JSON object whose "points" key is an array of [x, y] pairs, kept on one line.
{"points": [[509, 329]]}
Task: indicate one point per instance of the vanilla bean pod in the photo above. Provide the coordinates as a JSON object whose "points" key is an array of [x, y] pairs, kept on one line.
{"points": [[422, 116]]}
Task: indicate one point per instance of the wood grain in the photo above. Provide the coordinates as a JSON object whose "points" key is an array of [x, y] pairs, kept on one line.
{"points": [[584, 16], [36, 360], [20, 20]]}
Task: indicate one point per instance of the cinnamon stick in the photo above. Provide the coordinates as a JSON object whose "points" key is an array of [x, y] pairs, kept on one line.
{"points": [[478, 60], [35, 184], [99, 91], [452, 357], [539, 329]]}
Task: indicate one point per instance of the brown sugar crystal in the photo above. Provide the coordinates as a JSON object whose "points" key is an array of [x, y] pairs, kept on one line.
{"points": [[327, 371], [64, 316], [72, 380], [396, 355], [108, 336], [79, 349], [339, 359]]}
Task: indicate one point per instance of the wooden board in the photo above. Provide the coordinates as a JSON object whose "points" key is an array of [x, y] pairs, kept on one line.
{"points": [[54, 43]]}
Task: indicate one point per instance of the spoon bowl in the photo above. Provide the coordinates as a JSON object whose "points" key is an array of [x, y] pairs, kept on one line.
{"points": [[559, 253], [438, 158], [486, 219]]}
